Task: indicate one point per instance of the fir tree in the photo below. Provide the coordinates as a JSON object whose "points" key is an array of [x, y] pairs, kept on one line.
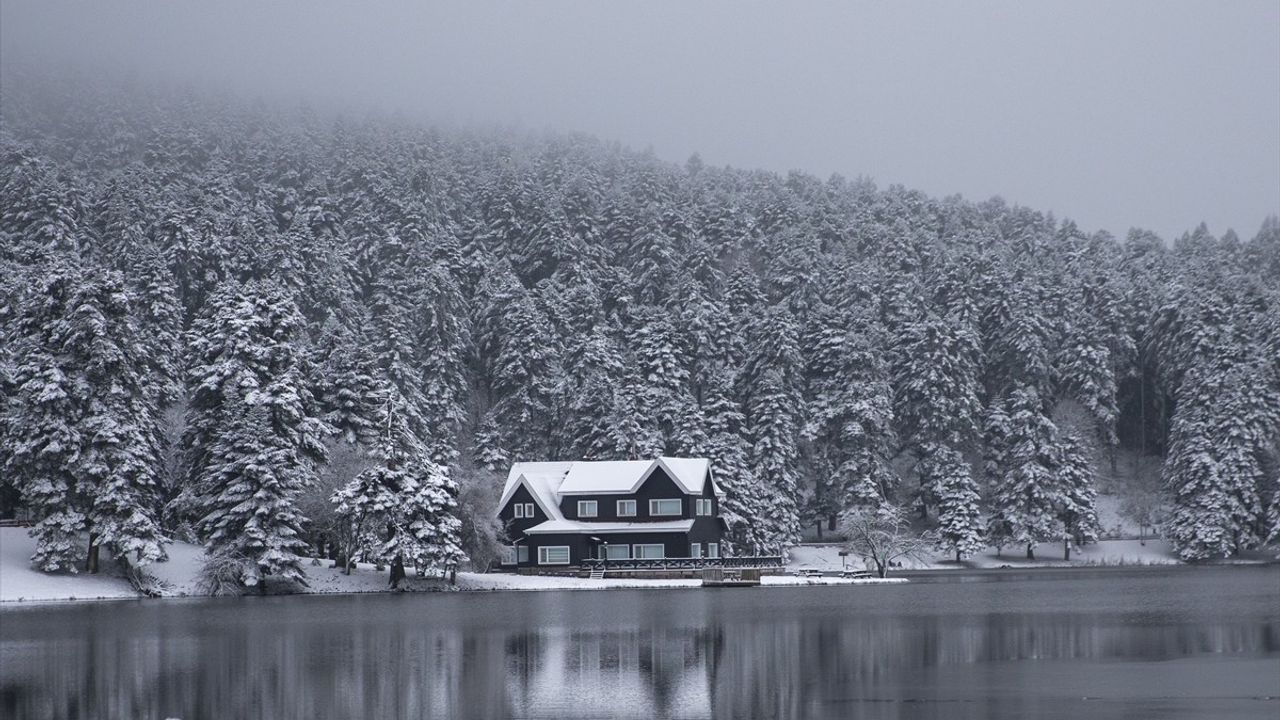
{"points": [[959, 519], [81, 422], [1026, 500]]}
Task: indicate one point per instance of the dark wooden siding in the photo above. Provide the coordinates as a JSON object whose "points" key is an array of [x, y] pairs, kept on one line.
{"points": [[515, 526], [676, 545], [659, 486]]}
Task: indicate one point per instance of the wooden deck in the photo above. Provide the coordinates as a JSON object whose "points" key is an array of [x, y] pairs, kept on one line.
{"points": [[720, 577]]}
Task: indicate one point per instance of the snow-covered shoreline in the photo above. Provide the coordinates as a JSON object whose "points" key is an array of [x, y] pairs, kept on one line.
{"points": [[177, 577], [20, 585]]}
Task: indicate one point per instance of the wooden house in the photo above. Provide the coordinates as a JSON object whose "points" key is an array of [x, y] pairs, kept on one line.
{"points": [[560, 514]]}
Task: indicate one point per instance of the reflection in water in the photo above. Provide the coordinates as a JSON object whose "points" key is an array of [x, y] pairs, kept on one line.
{"points": [[936, 650]]}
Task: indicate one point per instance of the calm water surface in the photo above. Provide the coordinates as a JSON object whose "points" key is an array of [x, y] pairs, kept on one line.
{"points": [[1179, 643]]}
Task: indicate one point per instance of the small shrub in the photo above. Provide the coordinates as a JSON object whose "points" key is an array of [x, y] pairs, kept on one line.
{"points": [[223, 574]]}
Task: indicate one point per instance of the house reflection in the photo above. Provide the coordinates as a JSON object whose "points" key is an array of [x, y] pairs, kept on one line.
{"points": [[590, 655]]}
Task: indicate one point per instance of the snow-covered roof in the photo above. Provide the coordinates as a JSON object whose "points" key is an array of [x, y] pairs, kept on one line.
{"points": [[543, 481], [575, 526], [547, 481], [626, 476]]}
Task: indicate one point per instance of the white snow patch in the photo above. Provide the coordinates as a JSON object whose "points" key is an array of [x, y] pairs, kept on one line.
{"points": [[19, 582], [1103, 553]]}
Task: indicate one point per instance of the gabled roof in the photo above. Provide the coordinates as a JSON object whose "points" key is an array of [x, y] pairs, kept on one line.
{"points": [[547, 481], [542, 480]]}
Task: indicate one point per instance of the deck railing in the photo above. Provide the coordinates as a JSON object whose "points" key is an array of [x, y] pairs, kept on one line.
{"points": [[763, 561]]}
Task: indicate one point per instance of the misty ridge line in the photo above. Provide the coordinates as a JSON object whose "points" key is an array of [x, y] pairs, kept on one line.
{"points": [[318, 119]]}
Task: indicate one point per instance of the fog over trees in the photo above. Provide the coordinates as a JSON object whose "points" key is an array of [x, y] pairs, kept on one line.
{"points": [[214, 313]]}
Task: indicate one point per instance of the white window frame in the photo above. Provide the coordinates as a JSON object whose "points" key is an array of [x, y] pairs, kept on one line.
{"points": [[595, 508], [713, 550], [510, 556], [522, 554], [543, 554], [625, 548], [626, 514], [704, 507], [695, 550], [519, 510], [638, 551], [529, 511], [653, 507]]}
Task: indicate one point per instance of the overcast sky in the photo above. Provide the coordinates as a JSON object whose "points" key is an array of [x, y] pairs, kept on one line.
{"points": [[1153, 114]]}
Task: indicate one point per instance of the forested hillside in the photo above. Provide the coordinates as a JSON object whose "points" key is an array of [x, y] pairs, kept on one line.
{"points": [[258, 327]]}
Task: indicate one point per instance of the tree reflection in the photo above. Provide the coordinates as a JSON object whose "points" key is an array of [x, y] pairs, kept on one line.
{"points": [[724, 658]]}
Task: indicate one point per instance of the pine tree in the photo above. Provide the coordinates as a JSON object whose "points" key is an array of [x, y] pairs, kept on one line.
{"points": [[402, 510], [81, 426], [1026, 500], [935, 378], [959, 518], [1077, 493], [253, 434]]}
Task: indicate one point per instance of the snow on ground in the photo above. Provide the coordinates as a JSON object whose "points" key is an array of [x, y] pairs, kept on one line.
{"points": [[1103, 553], [19, 582], [178, 577]]}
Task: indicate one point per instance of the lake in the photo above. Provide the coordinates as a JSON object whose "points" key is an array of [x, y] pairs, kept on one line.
{"points": [[1107, 643]]}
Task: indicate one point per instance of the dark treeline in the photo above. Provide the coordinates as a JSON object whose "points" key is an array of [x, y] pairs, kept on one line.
{"points": [[254, 328]]}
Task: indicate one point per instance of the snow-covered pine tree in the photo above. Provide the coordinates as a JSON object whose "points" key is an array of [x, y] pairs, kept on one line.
{"points": [[253, 481], [960, 528], [253, 437], [1077, 493], [743, 500], [401, 511], [81, 426], [346, 384], [1026, 497], [935, 379], [666, 408], [442, 339]]}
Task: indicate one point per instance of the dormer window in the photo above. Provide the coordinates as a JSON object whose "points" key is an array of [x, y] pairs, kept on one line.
{"points": [[524, 510], [666, 506], [587, 508], [704, 506]]}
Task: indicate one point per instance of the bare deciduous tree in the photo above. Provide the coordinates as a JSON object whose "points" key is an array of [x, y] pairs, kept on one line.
{"points": [[884, 536]]}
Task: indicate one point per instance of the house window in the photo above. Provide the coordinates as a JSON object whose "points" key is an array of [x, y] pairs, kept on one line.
{"points": [[522, 554], [626, 508], [586, 508], [704, 506], [509, 555], [713, 550], [665, 507], [528, 510], [553, 555], [695, 550], [653, 552], [617, 552], [519, 510]]}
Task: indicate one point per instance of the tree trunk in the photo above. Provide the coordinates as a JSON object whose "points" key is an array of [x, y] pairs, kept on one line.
{"points": [[453, 574], [1142, 539], [957, 556], [397, 571], [1031, 551], [832, 519], [92, 565], [882, 568], [819, 529], [1066, 548]]}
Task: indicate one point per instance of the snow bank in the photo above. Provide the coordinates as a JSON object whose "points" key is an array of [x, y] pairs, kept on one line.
{"points": [[179, 577], [1103, 553], [20, 582]]}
